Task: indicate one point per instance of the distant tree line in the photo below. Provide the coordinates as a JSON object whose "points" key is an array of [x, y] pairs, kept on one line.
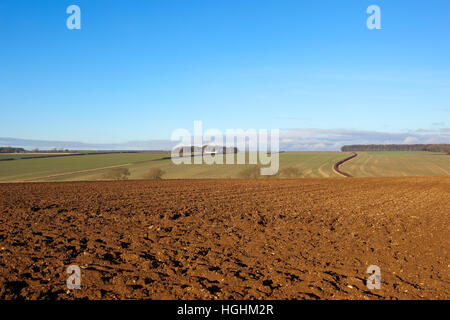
{"points": [[74, 152], [22, 150], [398, 147], [11, 150]]}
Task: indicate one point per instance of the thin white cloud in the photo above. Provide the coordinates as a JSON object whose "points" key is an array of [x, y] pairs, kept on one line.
{"points": [[295, 139], [334, 139], [410, 140]]}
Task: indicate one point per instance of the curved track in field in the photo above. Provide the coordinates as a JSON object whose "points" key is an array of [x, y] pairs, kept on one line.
{"points": [[87, 170], [337, 164]]}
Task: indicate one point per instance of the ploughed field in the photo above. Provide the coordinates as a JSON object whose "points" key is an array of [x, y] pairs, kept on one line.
{"points": [[227, 239]]}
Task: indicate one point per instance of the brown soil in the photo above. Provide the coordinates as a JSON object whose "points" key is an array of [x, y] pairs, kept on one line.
{"points": [[227, 239]]}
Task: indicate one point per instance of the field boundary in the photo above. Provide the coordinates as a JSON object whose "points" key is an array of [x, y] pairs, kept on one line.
{"points": [[340, 162]]}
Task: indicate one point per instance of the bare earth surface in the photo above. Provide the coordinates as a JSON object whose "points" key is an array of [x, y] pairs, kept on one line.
{"points": [[227, 239]]}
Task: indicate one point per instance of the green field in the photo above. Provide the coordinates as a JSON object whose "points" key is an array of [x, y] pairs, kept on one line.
{"points": [[37, 169], [392, 164], [7, 156], [21, 155], [310, 164]]}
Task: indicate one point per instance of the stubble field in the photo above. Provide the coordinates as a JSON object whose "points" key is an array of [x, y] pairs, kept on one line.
{"points": [[227, 239], [93, 167], [398, 164]]}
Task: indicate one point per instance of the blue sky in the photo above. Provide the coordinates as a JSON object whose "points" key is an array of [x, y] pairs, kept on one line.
{"points": [[137, 70]]}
